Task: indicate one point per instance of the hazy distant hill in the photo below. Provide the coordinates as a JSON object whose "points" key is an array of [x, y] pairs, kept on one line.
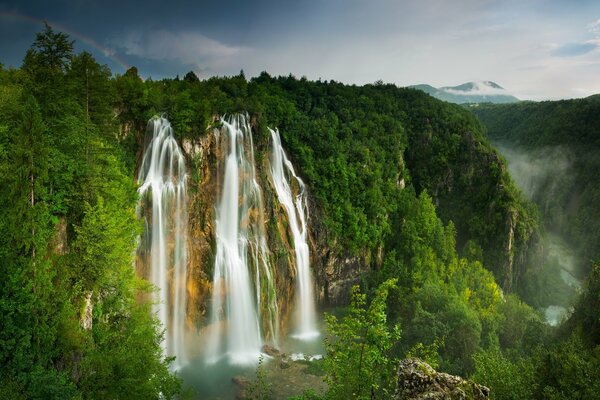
{"points": [[470, 92]]}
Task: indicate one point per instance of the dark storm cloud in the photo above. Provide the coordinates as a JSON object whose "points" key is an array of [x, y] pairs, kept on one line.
{"points": [[440, 42], [116, 24]]}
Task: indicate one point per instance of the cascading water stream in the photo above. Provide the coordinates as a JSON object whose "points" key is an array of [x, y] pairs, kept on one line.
{"points": [[242, 251], [163, 182], [297, 212], [243, 310]]}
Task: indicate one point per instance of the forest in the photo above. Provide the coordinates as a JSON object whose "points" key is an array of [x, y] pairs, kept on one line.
{"points": [[560, 132], [409, 184]]}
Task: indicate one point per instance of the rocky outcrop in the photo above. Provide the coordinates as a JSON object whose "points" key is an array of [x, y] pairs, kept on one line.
{"points": [[418, 381], [86, 320], [335, 269], [59, 244], [202, 155], [205, 157]]}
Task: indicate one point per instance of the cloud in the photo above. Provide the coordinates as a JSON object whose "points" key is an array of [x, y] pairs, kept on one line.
{"points": [[594, 28], [575, 49], [189, 48], [532, 68], [478, 89]]}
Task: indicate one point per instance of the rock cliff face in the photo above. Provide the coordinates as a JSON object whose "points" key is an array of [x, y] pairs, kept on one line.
{"points": [[418, 381], [470, 186], [334, 274], [335, 271]]}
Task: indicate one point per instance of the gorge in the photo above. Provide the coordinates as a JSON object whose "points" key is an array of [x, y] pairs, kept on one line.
{"points": [[243, 311], [254, 209]]}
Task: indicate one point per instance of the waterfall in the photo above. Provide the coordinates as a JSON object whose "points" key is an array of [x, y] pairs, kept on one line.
{"points": [[243, 309], [163, 182], [297, 210], [242, 257]]}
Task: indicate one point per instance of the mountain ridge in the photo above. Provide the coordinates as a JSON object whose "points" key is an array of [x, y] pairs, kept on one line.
{"points": [[469, 92]]}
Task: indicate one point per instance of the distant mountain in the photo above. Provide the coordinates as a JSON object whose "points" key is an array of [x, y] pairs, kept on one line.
{"points": [[470, 92]]}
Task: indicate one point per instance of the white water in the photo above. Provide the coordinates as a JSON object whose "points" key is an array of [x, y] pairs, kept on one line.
{"points": [[163, 181], [242, 254], [297, 210], [555, 315]]}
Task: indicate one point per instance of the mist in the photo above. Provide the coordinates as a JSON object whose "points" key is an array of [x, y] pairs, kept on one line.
{"points": [[542, 173], [546, 177]]}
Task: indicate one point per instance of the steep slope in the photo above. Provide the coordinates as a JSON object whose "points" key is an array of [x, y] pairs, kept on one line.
{"points": [[553, 148], [357, 148]]}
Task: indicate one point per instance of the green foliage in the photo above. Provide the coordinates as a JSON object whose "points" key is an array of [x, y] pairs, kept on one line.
{"points": [[315, 367], [427, 353], [359, 363], [565, 134], [534, 364], [586, 311], [307, 395], [521, 326], [568, 370], [507, 380], [92, 89], [69, 233], [261, 388], [448, 156], [397, 178]]}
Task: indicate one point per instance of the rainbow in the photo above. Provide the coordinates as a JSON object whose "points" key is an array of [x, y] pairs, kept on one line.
{"points": [[106, 52]]}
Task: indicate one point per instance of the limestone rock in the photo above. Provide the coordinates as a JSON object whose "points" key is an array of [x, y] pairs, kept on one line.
{"points": [[271, 351], [86, 315], [241, 381], [418, 381], [243, 384]]}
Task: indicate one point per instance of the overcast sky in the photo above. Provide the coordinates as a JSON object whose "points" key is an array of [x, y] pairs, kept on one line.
{"points": [[536, 49]]}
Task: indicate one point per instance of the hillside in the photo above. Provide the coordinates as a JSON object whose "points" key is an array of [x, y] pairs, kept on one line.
{"points": [[470, 92], [556, 145], [416, 236]]}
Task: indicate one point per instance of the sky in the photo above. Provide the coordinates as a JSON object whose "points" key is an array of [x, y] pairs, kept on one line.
{"points": [[535, 49]]}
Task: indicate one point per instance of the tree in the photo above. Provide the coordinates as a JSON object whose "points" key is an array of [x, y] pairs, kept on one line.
{"points": [[51, 50], [359, 364], [191, 77], [47, 62], [124, 358], [586, 311], [33, 310], [91, 86], [507, 380]]}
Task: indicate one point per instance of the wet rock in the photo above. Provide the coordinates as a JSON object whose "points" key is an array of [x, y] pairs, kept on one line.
{"points": [[284, 364], [271, 351], [418, 381], [243, 384], [241, 381]]}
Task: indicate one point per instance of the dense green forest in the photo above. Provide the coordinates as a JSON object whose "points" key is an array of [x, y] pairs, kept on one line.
{"points": [[565, 135], [390, 171]]}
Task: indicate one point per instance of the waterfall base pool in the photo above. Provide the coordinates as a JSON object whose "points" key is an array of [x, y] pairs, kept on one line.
{"points": [[296, 370]]}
